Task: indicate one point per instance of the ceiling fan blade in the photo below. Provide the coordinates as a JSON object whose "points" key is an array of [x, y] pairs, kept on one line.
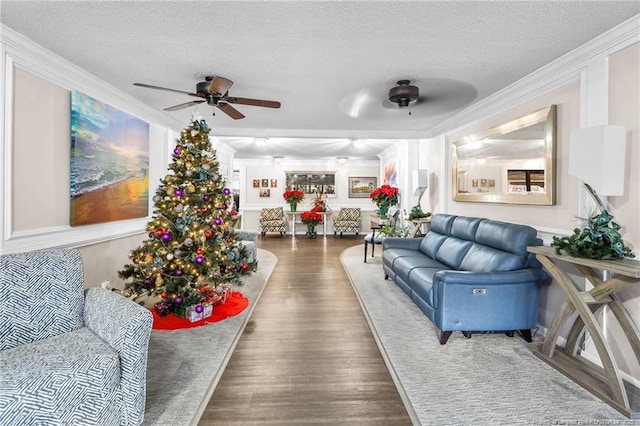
{"points": [[220, 85], [182, 106], [149, 86], [230, 111], [254, 102]]}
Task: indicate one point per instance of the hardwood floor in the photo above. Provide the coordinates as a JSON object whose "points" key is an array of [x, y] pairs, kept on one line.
{"points": [[307, 355]]}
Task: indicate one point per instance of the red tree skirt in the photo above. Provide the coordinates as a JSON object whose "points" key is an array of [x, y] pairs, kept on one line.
{"points": [[235, 304]]}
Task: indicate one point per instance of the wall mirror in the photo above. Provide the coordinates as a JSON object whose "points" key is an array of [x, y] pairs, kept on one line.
{"points": [[511, 163], [312, 182]]}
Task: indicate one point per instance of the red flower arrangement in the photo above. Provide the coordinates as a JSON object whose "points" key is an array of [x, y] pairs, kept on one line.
{"points": [[385, 196], [293, 197], [311, 218]]}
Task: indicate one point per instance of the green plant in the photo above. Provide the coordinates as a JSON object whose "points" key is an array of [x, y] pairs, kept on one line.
{"points": [[393, 231], [417, 213]]}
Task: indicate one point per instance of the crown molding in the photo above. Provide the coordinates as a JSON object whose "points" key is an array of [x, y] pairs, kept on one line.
{"points": [[565, 69]]}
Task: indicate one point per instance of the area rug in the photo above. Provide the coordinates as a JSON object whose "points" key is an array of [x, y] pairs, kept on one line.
{"points": [[490, 379], [184, 366], [235, 304]]}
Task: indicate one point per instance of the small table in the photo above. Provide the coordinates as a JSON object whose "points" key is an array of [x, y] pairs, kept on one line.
{"points": [[325, 216], [417, 226], [604, 382]]}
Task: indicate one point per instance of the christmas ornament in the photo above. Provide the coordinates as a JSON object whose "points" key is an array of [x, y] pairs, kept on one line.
{"points": [[199, 259], [177, 300], [199, 309]]}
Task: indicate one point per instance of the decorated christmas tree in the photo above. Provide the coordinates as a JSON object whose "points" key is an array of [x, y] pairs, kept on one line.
{"points": [[191, 251]]}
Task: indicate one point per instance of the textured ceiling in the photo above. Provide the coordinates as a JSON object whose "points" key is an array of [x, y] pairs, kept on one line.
{"points": [[330, 64]]}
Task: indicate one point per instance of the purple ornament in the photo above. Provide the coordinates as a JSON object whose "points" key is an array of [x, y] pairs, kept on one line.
{"points": [[199, 309], [206, 197], [177, 300], [148, 281], [166, 236], [176, 151], [178, 192], [217, 221], [199, 259], [227, 191], [179, 272]]}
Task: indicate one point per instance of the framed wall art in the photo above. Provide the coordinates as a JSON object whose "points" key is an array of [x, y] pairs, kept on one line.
{"points": [[109, 161], [361, 187]]}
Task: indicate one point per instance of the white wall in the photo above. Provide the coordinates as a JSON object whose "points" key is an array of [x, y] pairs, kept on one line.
{"points": [[251, 203], [595, 84]]}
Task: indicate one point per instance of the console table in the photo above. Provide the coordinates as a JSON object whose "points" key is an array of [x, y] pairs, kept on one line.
{"points": [[417, 226], [325, 216], [605, 382]]}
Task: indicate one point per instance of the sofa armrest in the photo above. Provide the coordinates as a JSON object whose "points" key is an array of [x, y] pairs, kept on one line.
{"points": [[487, 278], [505, 300], [246, 235], [126, 326], [405, 243]]}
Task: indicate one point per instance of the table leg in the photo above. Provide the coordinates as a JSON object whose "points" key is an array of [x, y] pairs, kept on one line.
{"points": [[612, 375]]}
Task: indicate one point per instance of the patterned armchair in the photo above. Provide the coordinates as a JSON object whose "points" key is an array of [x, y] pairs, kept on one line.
{"points": [[273, 220], [348, 220], [68, 355]]}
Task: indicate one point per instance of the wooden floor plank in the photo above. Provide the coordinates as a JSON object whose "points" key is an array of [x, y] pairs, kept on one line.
{"points": [[307, 355]]}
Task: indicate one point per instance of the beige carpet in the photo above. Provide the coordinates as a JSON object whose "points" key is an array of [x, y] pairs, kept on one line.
{"points": [[184, 366], [490, 379]]}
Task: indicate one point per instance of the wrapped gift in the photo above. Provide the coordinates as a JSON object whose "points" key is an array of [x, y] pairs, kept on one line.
{"points": [[194, 312]]}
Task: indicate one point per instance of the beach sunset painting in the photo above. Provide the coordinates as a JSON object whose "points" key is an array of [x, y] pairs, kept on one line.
{"points": [[109, 163]]}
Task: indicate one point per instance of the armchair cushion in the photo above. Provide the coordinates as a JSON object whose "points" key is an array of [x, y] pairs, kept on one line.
{"points": [[68, 356]]}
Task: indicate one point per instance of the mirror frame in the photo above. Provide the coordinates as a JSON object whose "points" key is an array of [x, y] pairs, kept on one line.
{"points": [[546, 115]]}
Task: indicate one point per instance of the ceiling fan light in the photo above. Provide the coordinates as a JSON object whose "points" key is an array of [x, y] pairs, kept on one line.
{"points": [[403, 94], [358, 143]]}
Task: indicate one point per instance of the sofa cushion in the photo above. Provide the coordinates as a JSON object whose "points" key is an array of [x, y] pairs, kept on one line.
{"points": [[487, 259], [441, 223], [421, 281], [431, 243], [452, 251], [465, 227], [508, 237], [72, 378], [404, 265]]}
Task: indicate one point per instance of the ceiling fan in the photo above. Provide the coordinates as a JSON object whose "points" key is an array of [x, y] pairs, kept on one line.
{"points": [[215, 92]]}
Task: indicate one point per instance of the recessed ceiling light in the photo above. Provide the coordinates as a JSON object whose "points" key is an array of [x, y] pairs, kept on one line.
{"points": [[342, 160], [261, 142]]}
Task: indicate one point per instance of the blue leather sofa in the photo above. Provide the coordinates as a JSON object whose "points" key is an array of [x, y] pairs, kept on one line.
{"points": [[68, 356], [469, 274]]}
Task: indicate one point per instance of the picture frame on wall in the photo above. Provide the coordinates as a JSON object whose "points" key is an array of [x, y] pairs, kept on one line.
{"points": [[107, 161], [256, 183], [274, 183], [265, 183], [264, 193], [483, 183], [361, 187]]}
